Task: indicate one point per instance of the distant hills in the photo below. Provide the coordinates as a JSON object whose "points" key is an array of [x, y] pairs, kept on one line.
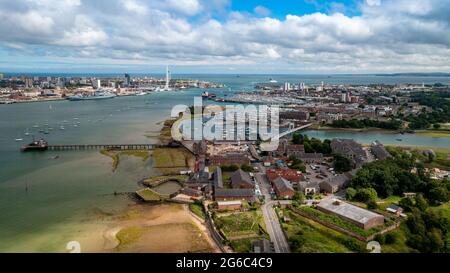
{"points": [[434, 74]]}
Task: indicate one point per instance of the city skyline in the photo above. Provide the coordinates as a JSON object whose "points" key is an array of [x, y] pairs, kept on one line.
{"points": [[221, 36]]}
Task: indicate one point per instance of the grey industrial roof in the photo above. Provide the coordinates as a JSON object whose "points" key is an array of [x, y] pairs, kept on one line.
{"points": [[234, 192], [347, 210]]}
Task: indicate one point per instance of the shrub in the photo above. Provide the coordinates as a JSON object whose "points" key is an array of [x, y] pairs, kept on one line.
{"points": [[391, 238], [372, 204]]}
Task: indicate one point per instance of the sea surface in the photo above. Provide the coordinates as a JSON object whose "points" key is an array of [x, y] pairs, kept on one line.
{"points": [[47, 199]]}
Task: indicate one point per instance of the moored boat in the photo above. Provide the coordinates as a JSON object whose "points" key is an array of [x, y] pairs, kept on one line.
{"points": [[39, 145]]}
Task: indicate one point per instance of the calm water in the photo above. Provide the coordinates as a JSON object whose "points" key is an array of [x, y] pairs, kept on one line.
{"points": [[45, 202], [385, 138]]}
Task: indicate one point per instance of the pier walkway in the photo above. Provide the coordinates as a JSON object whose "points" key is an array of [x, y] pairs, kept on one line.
{"points": [[106, 146]]}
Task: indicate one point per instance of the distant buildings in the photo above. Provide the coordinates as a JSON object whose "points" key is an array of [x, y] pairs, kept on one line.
{"points": [[286, 149], [350, 149], [310, 157], [294, 115], [358, 216], [127, 80], [379, 151], [229, 159], [288, 174]]}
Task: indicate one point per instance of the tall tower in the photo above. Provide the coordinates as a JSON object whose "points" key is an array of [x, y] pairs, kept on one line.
{"points": [[167, 87]]}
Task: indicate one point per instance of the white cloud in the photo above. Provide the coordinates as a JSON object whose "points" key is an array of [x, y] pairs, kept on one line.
{"points": [[373, 2], [262, 11], [188, 7], [388, 35]]}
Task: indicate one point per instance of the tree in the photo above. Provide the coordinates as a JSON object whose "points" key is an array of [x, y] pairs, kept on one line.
{"points": [[297, 138], [436, 126], [246, 168], [342, 164], [371, 204], [366, 194], [406, 203], [350, 193], [391, 238], [297, 164], [421, 203], [299, 197], [297, 241], [439, 195]]}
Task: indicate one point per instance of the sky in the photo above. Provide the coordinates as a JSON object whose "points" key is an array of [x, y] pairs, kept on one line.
{"points": [[225, 36]]}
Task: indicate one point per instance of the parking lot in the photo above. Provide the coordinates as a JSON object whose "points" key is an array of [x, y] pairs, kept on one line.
{"points": [[316, 172]]}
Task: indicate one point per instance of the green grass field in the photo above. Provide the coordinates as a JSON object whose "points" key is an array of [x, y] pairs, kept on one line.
{"points": [[317, 238], [171, 158], [148, 195], [443, 209], [242, 245], [137, 153], [197, 209], [339, 222], [400, 245], [245, 224]]}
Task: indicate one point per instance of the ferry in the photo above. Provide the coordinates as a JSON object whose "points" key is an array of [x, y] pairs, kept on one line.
{"points": [[207, 95], [98, 95], [40, 145], [272, 80]]}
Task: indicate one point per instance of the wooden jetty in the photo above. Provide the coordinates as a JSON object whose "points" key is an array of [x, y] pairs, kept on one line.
{"points": [[106, 147]]}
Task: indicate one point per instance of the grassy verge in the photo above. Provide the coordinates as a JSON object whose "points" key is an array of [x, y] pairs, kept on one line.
{"points": [[198, 210], [157, 180], [431, 133], [307, 236], [149, 195], [172, 157], [383, 204], [444, 210], [114, 156], [399, 246], [137, 153], [240, 225], [242, 245]]}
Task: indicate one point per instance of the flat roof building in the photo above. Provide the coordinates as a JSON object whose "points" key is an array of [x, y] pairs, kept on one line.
{"points": [[360, 217]]}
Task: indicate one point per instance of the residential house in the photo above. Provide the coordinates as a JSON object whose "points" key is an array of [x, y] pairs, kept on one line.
{"points": [[283, 188], [335, 184], [242, 180], [350, 149], [309, 187]]}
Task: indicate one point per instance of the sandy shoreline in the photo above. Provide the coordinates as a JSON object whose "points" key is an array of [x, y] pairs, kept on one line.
{"points": [[163, 228]]}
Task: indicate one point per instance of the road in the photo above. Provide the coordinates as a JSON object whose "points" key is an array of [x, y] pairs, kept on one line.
{"points": [[270, 218]]}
